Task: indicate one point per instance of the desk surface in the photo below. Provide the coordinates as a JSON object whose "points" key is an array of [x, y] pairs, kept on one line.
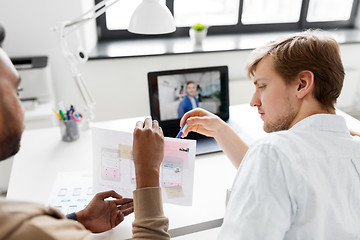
{"points": [[43, 155]]}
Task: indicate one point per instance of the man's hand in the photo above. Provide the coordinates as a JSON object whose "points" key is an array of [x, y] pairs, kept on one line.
{"points": [[208, 124], [102, 215], [203, 122], [148, 152]]}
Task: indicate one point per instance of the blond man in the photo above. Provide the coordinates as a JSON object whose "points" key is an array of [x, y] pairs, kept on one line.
{"points": [[302, 181]]}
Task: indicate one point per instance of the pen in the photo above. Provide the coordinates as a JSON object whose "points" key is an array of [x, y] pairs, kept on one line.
{"points": [[68, 115], [182, 130], [62, 114]]}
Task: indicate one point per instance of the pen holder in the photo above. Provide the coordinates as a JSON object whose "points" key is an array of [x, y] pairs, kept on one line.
{"points": [[69, 130]]}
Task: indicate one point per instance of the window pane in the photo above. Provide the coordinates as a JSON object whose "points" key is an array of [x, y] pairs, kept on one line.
{"points": [[329, 10], [207, 12], [118, 16], [275, 11]]}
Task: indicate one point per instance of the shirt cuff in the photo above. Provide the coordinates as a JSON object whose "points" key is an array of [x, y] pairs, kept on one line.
{"points": [[148, 202]]}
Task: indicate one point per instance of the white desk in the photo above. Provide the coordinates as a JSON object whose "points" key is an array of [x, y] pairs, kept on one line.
{"points": [[43, 155]]}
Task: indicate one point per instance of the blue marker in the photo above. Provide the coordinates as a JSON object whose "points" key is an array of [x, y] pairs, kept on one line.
{"points": [[182, 130]]}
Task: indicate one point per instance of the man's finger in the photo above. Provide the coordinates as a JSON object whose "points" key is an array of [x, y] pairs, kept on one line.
{"points": [[139, 124], [125, 206], [197, 120], [123, 201], [160, 132], [111, 193], [127, 211], [192, 113], [119, 218], [183, 119], [157, 128], [148, 123], [155, 124], [194, 123]]}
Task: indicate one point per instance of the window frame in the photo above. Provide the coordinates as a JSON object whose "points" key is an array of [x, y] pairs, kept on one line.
{"points": [[107, 35]]}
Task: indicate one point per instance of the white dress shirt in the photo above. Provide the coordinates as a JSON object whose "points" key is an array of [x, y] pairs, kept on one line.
{"points": [[302, 184], [193, 102]]}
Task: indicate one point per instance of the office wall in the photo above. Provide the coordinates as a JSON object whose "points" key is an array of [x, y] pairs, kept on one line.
{"points": [[28, 26], [119, 85], [124, 91]]}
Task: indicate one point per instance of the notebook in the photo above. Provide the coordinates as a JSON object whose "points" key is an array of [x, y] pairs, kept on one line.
{"points": [[173, 92]]}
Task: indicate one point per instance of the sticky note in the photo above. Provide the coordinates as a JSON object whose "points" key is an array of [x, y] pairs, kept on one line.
{"points": [[125, 151], [174, 192]]}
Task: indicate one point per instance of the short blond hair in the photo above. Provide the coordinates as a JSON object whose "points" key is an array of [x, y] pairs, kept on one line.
{"points": [[311, 50]]}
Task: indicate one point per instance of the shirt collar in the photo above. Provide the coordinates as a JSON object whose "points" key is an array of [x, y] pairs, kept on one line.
{"points": [[323, 122]]}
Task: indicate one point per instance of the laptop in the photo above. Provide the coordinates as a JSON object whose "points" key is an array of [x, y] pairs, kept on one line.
{"points": [[174, 92]]}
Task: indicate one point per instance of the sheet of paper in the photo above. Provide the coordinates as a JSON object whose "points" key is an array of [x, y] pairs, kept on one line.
{"points": [[72, 191], [113, 166]]}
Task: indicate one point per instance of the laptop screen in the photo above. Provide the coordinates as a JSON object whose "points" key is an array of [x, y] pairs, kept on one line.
{"points": [[174, 92]]}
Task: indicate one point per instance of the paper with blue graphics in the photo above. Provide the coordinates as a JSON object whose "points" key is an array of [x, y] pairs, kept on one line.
{"points": [[113, 166], [71, 192]]}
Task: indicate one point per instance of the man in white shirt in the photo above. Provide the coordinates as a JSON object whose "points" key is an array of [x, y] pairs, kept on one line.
{"points": [[302, 181]]}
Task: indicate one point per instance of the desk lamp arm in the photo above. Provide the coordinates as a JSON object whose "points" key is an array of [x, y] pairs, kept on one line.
{"points": [[160, 22], [94, 13], [81, 56]]}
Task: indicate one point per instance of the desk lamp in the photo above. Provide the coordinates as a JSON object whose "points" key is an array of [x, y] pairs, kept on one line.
{"points": [[150, 17]]}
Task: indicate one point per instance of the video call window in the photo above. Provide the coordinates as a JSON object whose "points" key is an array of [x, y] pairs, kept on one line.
{"points": [[180, 93]]}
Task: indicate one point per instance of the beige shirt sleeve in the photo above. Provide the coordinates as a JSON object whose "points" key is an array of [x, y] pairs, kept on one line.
{"points": [[20, 220], [150, 222]]}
